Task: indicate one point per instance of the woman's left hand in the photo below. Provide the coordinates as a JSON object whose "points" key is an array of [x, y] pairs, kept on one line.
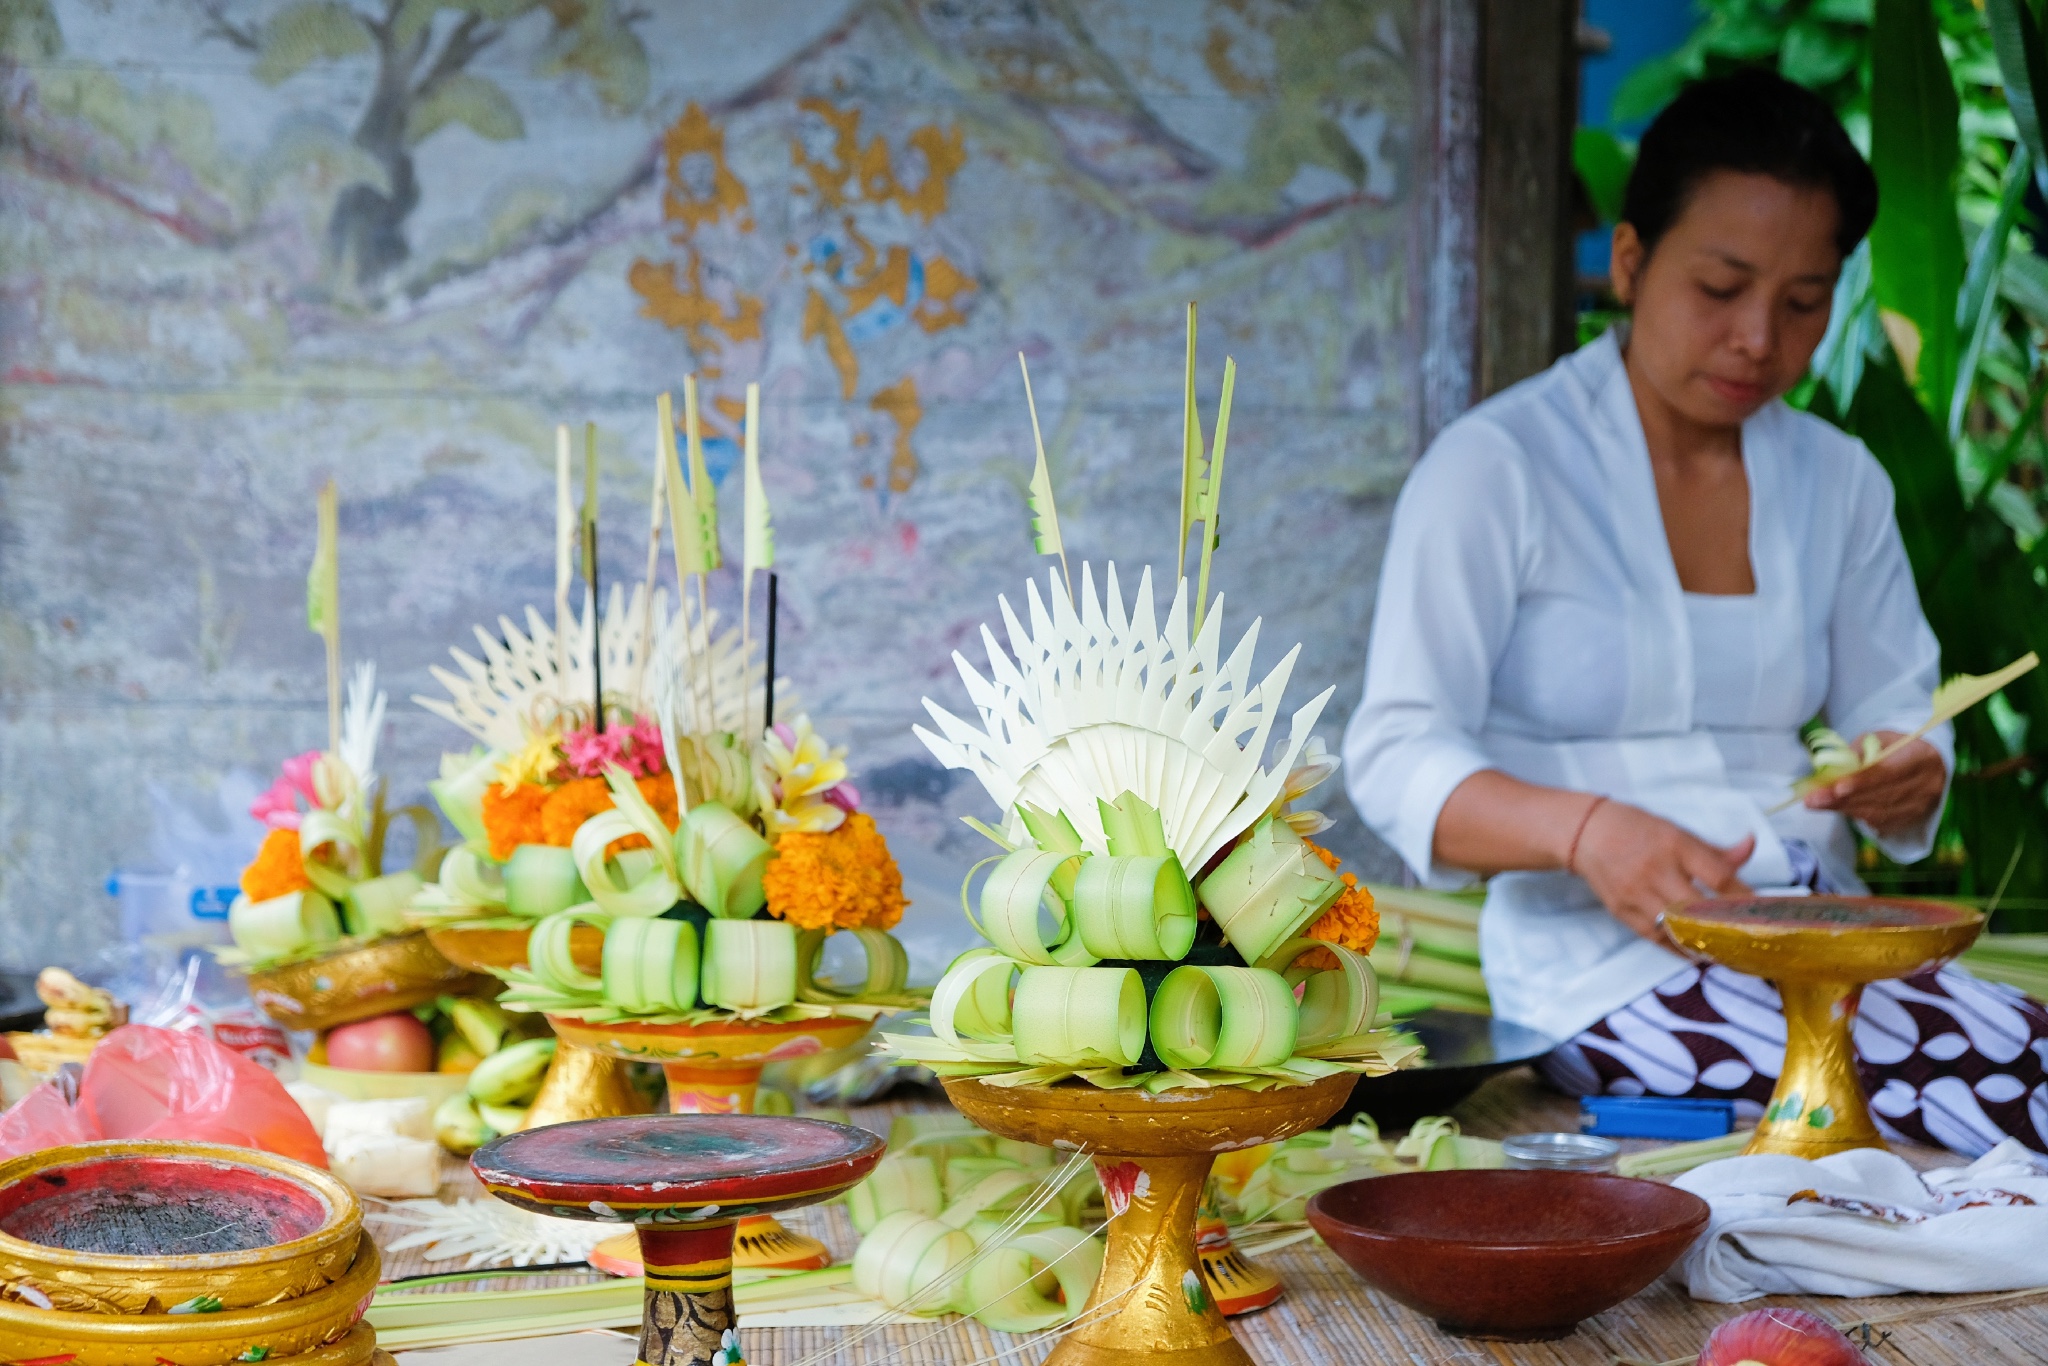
{"points": [[1888, 797]]}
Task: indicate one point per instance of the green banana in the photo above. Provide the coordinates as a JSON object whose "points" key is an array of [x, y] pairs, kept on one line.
{"points": [[458, 1127], [512, 1075], [484, 1023], [505, 1119]]}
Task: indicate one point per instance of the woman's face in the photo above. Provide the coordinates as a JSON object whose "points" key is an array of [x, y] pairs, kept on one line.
{"points": [[1729, 307]]}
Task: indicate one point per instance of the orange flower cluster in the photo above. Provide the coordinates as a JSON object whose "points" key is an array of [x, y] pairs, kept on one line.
{"points": [[512, 817], [1351, 920], [840, 879], [533, 814], [277, 869]]}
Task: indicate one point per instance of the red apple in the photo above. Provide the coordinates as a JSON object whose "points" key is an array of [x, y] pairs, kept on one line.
{"points": [[1779, 1337], [388, 1043]]}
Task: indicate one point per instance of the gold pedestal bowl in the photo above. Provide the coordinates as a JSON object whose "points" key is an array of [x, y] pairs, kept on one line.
{"points": [[360, 982], [715, 1069], [1820, 952], [1153, 1154], [141, 1252], [580, 1084], [68, 1216]]}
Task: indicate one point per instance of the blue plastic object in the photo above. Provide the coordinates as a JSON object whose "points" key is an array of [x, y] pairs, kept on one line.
{"points": [[1656, 1117]]}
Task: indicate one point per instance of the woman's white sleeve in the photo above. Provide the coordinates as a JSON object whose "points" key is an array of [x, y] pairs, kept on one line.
{"points": [[1884, 661], [1456, 556]]}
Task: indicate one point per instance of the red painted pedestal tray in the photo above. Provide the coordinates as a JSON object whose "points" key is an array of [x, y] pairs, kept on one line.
{"points": [[684, 1181]]}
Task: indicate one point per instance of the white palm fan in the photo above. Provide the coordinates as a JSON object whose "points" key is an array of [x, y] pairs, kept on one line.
{"points": [[1092, 702], [517, 683]]}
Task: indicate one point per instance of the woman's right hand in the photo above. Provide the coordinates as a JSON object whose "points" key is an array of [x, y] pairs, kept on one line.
{"points": [[1641, 865]]}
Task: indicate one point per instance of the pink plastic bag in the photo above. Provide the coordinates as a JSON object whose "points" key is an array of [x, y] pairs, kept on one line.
{"points": [[144, 1082]]}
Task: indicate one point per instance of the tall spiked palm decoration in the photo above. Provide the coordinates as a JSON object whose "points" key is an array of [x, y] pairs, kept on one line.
{"points": [[1197, 938]]}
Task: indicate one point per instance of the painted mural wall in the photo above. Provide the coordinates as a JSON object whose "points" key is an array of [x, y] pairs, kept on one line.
{"points": [[248, 245]]}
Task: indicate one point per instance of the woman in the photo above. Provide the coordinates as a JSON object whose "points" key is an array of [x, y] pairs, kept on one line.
{"points": [[1613, 595]]}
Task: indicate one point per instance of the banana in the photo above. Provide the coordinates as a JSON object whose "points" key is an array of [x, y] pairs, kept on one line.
{"points": [[456, 1056], [459, 1127], [505, 1119], [512, 1075], [484, 1023]]}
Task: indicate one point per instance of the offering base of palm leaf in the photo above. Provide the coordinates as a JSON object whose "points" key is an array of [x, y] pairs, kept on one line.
{"points": [[1153, 1153], [715, 1069], [1820, 952], [580, 1084], [360, 981], [684, 1181]]}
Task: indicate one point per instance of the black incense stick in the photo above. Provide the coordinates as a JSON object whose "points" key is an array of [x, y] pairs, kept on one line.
{"points": [[768, 695]]}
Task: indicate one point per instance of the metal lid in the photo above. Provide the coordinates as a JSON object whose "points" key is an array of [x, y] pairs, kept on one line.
{"points": [[1561, 1152]]}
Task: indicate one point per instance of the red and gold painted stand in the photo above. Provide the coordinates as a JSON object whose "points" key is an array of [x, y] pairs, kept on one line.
{"points": [[715, 1069], [1238, 1284], [684, 1182]]}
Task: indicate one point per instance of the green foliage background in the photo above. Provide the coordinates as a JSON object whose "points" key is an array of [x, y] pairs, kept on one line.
{"points": [[1936, 355]]}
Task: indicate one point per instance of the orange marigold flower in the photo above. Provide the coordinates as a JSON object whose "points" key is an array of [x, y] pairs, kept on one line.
{"points": [[840, 879], [277, 869], [512, 817], [577, 800], [1351, 920]]}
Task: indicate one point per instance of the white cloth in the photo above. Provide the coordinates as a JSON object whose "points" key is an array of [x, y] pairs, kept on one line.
{"points": [[1530, 620], [1880, 1228]]}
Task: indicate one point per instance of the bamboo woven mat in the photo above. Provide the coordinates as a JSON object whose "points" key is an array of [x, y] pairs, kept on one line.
{"points": [[1330, 1318]]}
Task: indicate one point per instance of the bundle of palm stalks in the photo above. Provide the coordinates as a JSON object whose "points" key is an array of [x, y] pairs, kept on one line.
{"points": [[1428, 952], [2018, 960]]}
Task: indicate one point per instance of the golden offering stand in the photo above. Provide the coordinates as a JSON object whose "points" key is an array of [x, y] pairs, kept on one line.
{"points": [[580, 1084], [1820, 952], [1152, 1153], [715, 1069], [355, 983]]}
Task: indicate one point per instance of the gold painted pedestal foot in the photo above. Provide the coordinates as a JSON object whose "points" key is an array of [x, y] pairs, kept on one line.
{"points": [[1820, 952], [1153, 1153]]}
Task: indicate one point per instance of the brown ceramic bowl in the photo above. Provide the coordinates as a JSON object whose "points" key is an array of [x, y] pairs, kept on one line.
{"points": [[1520, 1256]]}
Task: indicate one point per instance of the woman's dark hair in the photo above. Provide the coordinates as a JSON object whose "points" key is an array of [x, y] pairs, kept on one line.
{"points": [[1753, 121]]}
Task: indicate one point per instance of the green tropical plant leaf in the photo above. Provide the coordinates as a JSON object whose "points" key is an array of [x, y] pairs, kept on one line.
{"points": [[313, 31], [1977, 306], [1917, 242], [2022, 51], [1652, 85], [473, 101], [1815, 53], [1603, 162]]}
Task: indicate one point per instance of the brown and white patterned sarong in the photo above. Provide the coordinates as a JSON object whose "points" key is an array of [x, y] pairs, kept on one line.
{"points": [[1947, 1058]]}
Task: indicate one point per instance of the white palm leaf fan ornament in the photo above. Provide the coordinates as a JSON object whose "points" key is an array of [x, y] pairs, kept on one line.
{"points": [[522, 682], [1093, 701]]}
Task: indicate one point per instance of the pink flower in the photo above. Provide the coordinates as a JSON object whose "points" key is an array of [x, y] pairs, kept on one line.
{"points": [[635, 748], [845, 796], [278, 808], [590, 751]]}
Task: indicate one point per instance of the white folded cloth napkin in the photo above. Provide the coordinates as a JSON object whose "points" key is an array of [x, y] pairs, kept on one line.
{"points": [[1864, 1222]]}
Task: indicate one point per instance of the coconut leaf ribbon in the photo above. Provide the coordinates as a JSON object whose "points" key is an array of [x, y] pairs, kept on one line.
{"points": [[627, 886], [722, 859], [1835, 758], [1268, 889]]}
